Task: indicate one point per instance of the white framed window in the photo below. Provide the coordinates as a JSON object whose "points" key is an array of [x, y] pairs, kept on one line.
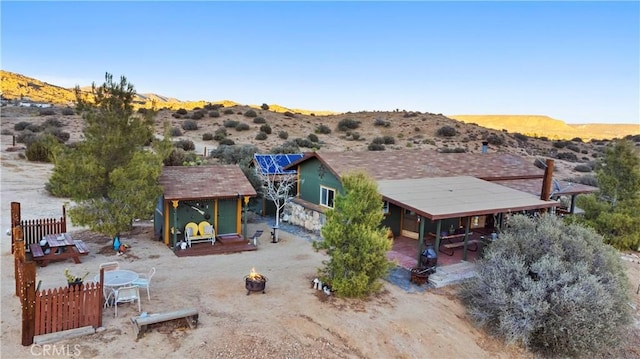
{"points": [[385, 207], [327, 196]]}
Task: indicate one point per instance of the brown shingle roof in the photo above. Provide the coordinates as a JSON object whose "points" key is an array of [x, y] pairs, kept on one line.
{"points": [[196, 182]]}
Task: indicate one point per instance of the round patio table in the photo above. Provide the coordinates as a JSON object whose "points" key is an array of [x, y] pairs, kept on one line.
{"points": [[115, 279]]}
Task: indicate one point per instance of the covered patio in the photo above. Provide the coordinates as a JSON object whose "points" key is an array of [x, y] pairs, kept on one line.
{"points": [[442, 198]]}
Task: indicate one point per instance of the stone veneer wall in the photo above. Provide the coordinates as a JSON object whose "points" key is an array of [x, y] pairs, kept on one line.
{"points": [[301, 216]]}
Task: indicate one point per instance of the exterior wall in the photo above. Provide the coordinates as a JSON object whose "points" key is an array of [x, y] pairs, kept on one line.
{"points": [[393, 219], [306, 218], [313, 175]]}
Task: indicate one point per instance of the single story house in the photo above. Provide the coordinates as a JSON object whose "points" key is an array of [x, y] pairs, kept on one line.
{"points": [[218, 195]]}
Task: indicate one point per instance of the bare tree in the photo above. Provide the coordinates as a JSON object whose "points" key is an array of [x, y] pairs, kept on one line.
{"points": [[277, 186]]}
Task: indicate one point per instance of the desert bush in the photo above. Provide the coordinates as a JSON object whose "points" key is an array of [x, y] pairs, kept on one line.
{"points": [[259, 120], [176, 115], [182, 111], [46, 112], [589, 180], [21, 125], [289, 114], [378, 141], [576, 139], [52, 122], [214, 113], [185, 144], [283, 135], [554, 287], [261, 136], [567, 156], [34, 128], [189, 125], [175, 132], [67, 111], [305, 143], [375, 147], [348, 124], [234, 154], [230, 123], [446, 131], [495, 140], [520, 137], [176, 158], [251, 113], [242, 126], [26, 137], [313, 137], [381, 123], [452, 150], [266, 128], [582, 168], [389, 140], [323, 129], [265, 107], [41, 148], [226, 142], [287, 147], [60, 135], [559, 144], [573, 148], [228, 111], [6, 132], [355, 136], [208, 136], [196, 115]]}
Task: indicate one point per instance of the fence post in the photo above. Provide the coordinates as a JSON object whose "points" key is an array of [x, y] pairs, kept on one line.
{"points": [[101, 294], [29, 304], [18, 259], [15, 220]]}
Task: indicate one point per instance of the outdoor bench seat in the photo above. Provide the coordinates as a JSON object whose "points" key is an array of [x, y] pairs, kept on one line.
{"points": [[36, 250], [81, 246], [140, 323]]}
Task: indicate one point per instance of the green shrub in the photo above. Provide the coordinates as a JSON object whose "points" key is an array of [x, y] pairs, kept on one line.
{"points": [[381, 123], [189, 125], [226, 142], [197, 115], [41, 148], [554, 287], [452, 150], [259, 120], [175, 132], [46, 112], [250, 113], [495, 140], [21, 125], [228, 111], [207, 136], [559, 144], [242, 126], [52, 122], [355, 136], [62, 136], [235, 154], [176, 158], [582, 168], [265, 107], [283, 135], [589, 180], [323, 129], [521, 137], [389, 140], [573, 148], [67, 111], [289, 114], [446, 131], [313, 137], [261, 136], [214, 113], [304, 143], [266, 128], [26, 137], [376, 147], [185, 144], [348, 124], [287, 147], [182, 112], [576, 139], [230, 123], [567, 156], [378, 141], [34, 128]]}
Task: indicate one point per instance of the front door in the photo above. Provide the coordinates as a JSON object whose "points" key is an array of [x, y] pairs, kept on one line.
{"points": [[227, 216]]}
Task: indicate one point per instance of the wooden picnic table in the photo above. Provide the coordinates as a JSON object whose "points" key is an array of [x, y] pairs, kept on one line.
{"points": [[61, 246], [448, 243]]}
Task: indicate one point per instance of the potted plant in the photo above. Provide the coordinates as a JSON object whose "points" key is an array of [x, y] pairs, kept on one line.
{"points": [[73, 279]]}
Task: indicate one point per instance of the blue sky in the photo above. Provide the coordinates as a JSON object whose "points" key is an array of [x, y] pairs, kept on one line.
{"points": [[574, 61]]}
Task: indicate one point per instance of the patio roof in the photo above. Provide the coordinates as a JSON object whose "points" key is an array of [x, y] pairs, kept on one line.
{"points": [[559, 188], [196, 182], [461, 196]]}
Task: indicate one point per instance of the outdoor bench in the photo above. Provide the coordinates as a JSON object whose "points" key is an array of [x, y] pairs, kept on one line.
{"points": [[140, 323]]}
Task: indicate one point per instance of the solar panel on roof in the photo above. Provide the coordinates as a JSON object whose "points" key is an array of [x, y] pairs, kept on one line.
{"points": [[273, 163]]}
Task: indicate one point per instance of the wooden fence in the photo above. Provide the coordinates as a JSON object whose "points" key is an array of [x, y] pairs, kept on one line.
{"points": [[34, 230], [68, 308]]}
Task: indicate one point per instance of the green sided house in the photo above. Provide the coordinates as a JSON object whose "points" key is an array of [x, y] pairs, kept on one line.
{"points": [[438, 198], [213, 195]]}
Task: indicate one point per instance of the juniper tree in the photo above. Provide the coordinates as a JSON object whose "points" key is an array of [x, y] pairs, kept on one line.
{"points": [[110, 175], [354, 239]]}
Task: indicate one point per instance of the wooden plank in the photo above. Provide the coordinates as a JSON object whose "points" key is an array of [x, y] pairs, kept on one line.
{"points": [[140, 323], [81, 246], [36, 250], [459, 244]]}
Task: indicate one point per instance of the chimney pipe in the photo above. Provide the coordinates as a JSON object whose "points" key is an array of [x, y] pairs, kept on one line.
{"points": [[485, 146], [545, 194]]}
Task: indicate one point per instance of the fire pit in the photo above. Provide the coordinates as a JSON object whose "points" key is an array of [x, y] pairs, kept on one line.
{"points": [[255, 282]]}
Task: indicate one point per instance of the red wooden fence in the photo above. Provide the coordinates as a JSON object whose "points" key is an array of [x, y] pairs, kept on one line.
{"points": [[68, 308], [34, 230]]}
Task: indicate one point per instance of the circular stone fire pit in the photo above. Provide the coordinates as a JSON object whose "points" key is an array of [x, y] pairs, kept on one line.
{"points": [[255, 282]]}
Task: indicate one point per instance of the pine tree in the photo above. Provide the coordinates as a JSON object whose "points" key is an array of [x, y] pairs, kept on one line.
{"points": [[110, 175], [354, 240]]}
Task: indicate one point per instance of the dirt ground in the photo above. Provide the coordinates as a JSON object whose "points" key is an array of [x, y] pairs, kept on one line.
{"points": [[290, 321]]}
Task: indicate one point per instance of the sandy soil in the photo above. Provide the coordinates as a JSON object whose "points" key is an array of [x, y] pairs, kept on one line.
{"points": [[290, 321]]}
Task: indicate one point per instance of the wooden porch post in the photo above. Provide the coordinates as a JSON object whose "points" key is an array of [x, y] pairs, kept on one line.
{"points": [[438, 228], [420, 239], [466, 238], [573, 204], [175, 223]]}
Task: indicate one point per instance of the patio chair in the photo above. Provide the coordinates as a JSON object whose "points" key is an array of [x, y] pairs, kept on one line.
{"points": [[110, 266], [144, 281], [126, 295]]}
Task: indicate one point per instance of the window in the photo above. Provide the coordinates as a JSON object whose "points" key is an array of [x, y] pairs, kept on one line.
{"points": [[385, 207], [326, 196]]}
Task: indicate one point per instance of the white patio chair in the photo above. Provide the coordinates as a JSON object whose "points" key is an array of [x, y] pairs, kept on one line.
{"points": [[144, 281], [126, 295]]}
